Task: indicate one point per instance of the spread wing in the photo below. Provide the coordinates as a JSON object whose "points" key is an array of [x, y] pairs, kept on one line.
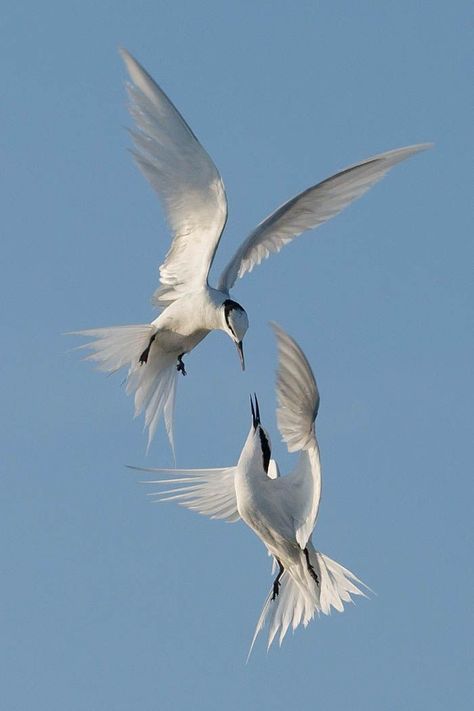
{"points": [[298, 403], [210, 492], [186, 180], [310, 209]]}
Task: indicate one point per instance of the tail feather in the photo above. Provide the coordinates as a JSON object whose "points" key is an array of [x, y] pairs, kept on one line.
{"points": [[156, 395], [337, 584], [300, 598], [117, 346], [153, 383]]}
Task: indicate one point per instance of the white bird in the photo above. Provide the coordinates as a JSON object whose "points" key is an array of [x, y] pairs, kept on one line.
{"points": [[194, 200], [281, 510]]}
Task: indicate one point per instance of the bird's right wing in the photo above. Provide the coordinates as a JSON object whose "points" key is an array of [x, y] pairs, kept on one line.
{"points": [[310, 209], [298, 403], [186, 180], [210, 492]]}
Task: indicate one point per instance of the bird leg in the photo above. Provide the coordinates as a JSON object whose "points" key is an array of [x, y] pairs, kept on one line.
{"points": [[144, 356], [276, 582], [312, 572], [180, 366]]}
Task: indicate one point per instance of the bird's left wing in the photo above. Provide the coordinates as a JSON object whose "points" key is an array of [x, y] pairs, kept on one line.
{"points": [[186, 180], [210, 492], [310, 209], [298, 404]]}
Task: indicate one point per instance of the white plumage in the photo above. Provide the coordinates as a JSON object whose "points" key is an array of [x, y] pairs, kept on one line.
{"points": [[193, 197], [281, 510]]}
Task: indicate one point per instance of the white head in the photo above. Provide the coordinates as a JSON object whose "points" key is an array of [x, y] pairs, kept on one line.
{"points": [[257, 450], [235, 325]]}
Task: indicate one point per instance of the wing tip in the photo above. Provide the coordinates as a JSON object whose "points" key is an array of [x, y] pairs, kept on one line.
{"points": [[399, 154], [126, 56]]}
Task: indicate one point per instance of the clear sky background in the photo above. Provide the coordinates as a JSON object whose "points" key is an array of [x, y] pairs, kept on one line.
{"points": [[109, 603]]}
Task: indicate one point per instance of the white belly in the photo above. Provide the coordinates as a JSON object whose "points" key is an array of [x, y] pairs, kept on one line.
{"points": [[174, 342], [268, 521], [184, 324]]}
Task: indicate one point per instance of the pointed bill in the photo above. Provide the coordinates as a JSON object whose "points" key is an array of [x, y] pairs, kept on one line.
{"points": [[240, 350]]}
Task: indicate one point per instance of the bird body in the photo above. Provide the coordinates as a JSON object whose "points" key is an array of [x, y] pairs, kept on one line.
{"points": [[268, 506], [281, 510], [193, 196], [186, 321]]}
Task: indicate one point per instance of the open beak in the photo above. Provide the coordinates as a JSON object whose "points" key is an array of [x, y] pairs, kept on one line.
{"points": [[255, 412], [240, 349]]}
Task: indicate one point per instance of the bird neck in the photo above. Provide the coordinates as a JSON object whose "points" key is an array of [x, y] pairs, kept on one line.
{"points": [[213, 311], [250, 463]]}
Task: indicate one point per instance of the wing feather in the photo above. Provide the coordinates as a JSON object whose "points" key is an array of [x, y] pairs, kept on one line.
{"points": [[186, 180], [210, 492], [310, 209], [297, 393], [298, 404]]}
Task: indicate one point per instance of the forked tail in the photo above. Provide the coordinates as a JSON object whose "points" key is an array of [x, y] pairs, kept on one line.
{"points": [[300, 597], [152, 382]]}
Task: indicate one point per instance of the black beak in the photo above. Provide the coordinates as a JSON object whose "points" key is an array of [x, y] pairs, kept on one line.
{"points": [[255, 412], [240, 349]]}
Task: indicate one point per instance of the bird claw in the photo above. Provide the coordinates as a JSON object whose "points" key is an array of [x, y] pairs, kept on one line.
{"points": [[180, 365], [144, 356], [276, 582], [311, 570], [313, 574]]}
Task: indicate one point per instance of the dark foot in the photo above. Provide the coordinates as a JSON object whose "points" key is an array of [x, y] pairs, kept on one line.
{"points": [[144, 356], [276, 582], [312, 572], [180, 366]]}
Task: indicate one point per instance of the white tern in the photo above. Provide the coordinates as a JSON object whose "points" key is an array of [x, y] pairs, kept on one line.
{"points": [[281, 510]]}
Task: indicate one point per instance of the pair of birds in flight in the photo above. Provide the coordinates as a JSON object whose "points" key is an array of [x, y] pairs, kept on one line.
{"points": [[282, 511]]}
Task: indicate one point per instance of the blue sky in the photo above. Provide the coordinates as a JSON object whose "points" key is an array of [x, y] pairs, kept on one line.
{"points": [[108, 602]]}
